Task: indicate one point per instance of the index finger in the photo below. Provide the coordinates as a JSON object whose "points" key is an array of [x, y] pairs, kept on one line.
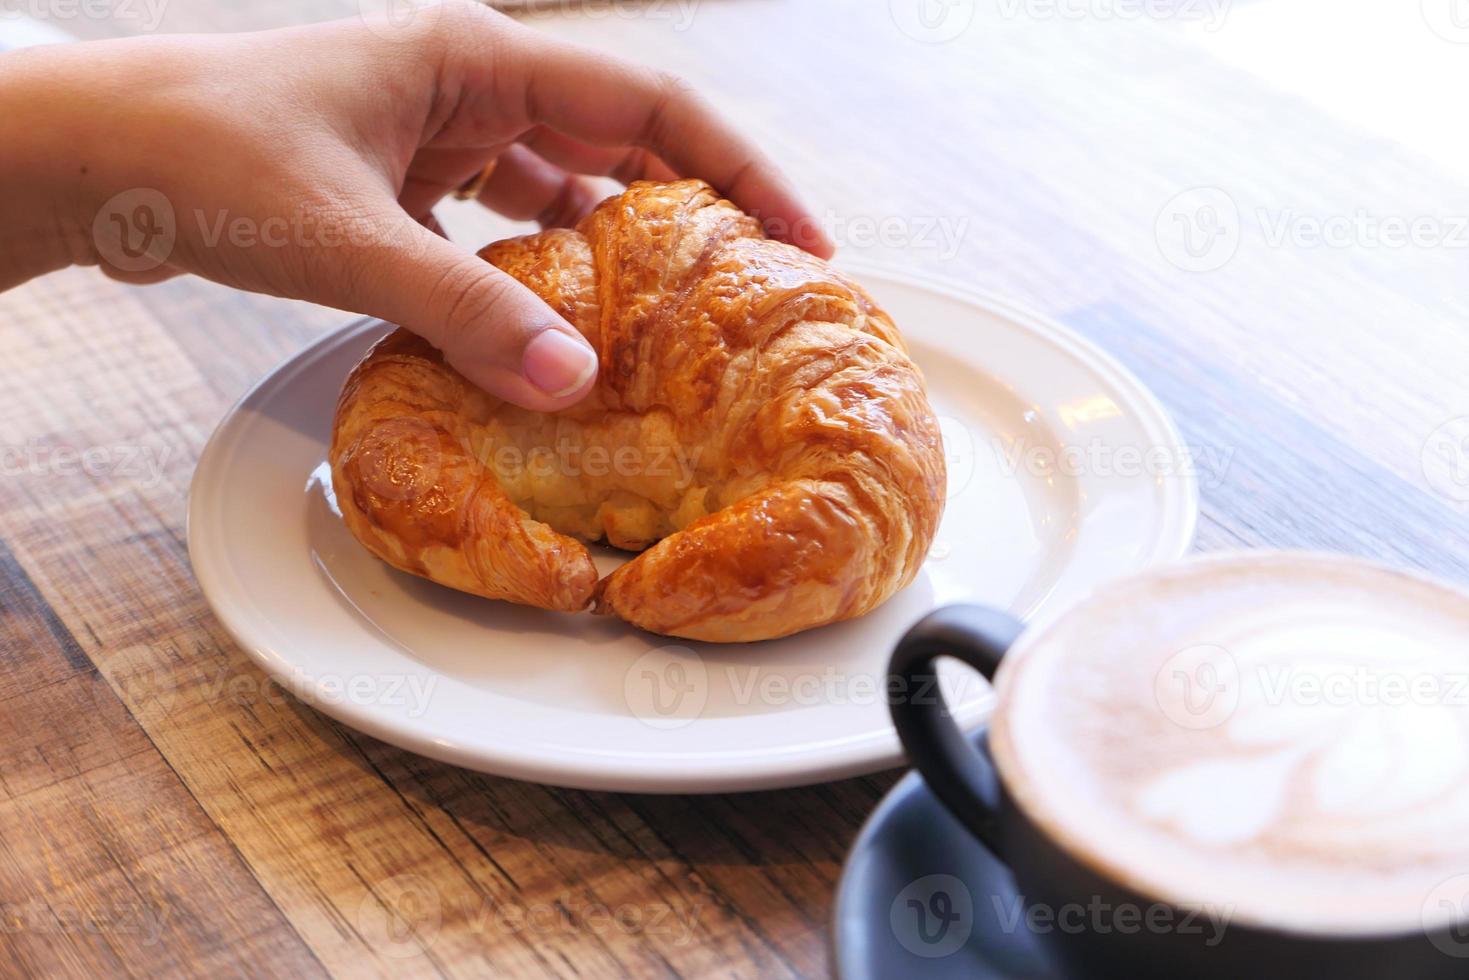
{"points": [[608, 101]]}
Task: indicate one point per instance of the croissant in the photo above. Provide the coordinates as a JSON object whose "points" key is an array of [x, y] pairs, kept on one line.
{"points": [[756, 431]]}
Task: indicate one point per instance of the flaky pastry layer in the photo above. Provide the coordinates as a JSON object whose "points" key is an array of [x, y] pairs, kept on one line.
{"points": [[757, 431]]}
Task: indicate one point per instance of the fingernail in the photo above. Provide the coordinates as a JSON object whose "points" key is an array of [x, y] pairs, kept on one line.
{"points": [[557, 364]]}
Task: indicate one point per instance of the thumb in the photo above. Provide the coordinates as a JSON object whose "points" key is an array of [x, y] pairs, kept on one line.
{"points": [[490, 328]]}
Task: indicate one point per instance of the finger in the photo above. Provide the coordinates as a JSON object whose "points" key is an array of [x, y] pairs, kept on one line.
{"points": [[509, 75], [524, 187], [148, 277], [622, 164], [493, 330], [609, 102], [436, 172]]}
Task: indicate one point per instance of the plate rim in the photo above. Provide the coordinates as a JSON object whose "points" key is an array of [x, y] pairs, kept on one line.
{"points": [[827, 761], [1083, 349]]}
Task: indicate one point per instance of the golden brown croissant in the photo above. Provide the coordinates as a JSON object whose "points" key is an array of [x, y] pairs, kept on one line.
{"points": [[756, 425]]}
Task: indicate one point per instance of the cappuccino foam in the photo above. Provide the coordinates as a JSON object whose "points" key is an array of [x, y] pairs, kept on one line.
{"points": [[1286, 736]]}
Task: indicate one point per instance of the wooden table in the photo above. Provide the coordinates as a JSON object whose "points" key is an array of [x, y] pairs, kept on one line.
{"points": [[165, 810]]}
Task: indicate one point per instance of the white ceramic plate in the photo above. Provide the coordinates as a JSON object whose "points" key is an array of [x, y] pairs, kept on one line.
{"points": [[1064, 472]]}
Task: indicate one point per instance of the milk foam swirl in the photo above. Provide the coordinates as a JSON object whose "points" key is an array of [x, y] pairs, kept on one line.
{"points": [[1290, 734], [1337, 737]]}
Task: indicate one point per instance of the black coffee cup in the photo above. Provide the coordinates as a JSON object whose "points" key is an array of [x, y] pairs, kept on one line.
{"points": [[963, 775]]}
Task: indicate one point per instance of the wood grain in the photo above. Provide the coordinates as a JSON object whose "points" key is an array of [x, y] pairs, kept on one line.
{"points": [[164, 809]]}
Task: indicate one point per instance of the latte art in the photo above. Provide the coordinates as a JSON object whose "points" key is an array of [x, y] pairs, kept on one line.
{"points": [[1336, 737], [1289, 735]]}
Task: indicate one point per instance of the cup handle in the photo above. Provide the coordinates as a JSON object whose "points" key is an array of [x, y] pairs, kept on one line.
{"points": [[959, 775]]}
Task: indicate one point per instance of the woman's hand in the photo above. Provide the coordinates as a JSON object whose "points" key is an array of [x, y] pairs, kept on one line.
{"points": [[305, 163]]}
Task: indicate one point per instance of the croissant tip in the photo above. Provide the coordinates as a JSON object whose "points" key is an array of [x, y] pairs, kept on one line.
{"points": [[600, 604]]}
